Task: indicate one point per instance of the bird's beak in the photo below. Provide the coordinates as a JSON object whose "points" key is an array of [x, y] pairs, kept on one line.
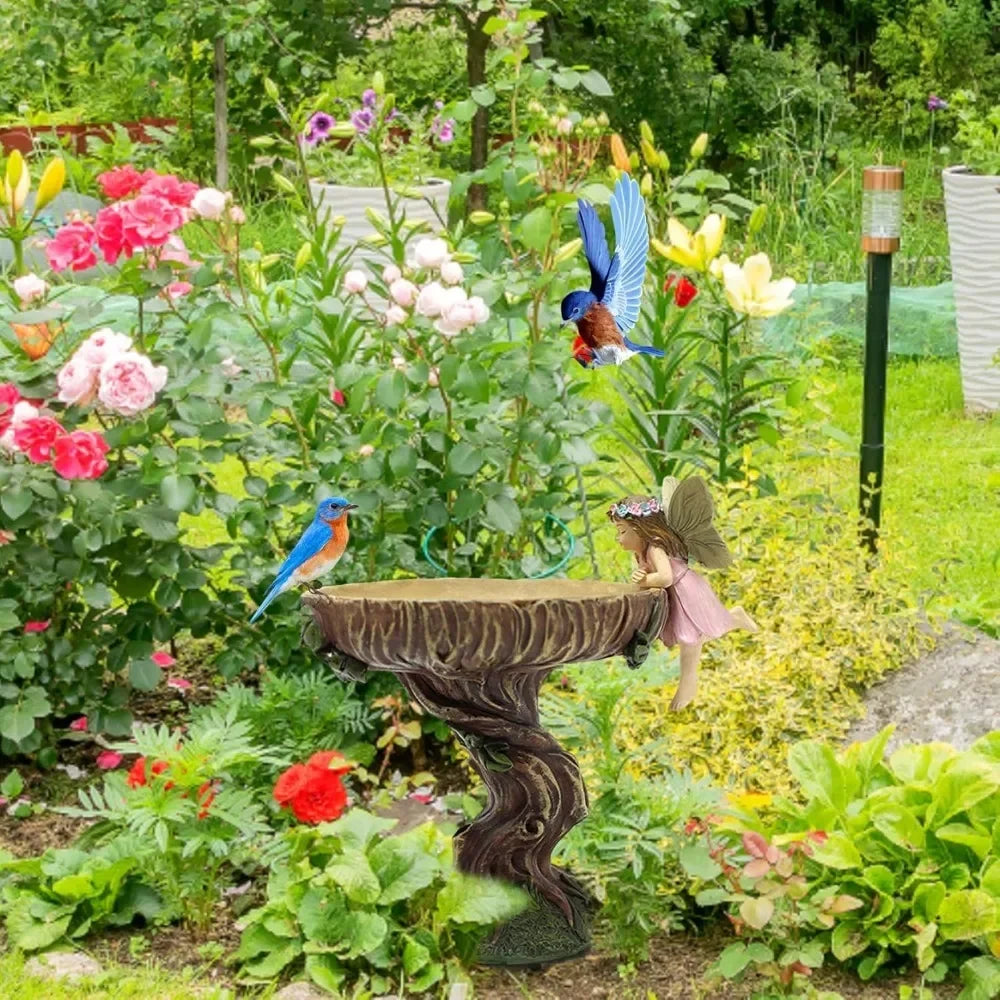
{"points": [[351, 506], [566, 322]]}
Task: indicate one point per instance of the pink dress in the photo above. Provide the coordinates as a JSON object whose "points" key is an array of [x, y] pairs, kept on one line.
{"points": [[694, 613]]}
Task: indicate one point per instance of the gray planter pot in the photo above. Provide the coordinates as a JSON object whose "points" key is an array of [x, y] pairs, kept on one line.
{"points": [[972, 207], [351, 203]]}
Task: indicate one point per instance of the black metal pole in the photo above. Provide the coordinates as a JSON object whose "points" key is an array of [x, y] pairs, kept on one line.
{"points": [[873, 413]]}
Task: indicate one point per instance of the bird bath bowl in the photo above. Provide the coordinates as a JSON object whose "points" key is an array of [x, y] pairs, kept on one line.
{"points": [[474, 653]]}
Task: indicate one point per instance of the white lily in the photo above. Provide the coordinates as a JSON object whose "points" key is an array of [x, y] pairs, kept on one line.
{"points": [[750, 289]]}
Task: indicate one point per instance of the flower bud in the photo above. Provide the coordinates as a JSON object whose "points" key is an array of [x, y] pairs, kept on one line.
{"points": [[378, 220], [378, 82], [646, 132], [757, 219], [646, 184], [619, 155], [53, 179], [302, 257], [648, 153], [270, 88], [660, 247], [568, 250], [17, 181], [283, 182], [481, 218], [603, 120], [699, 146], [633, 160], [663, 161], [614, 173]]}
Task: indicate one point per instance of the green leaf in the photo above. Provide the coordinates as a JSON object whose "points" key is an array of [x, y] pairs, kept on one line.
{"points": [[402, 868], [578, 451], [698, 863], [415, 956], [403, 461], [962, 833], [819, 773], [733, 960], [144, 674], [473, 382], [980, 978], [484, 96], [960, 784], [927, 901], [595, 83], [900, 825], [157, 522], [259, 408], [503, 514], [17, 722], [273, 962], [757, 912], [354, 875], [967, 914], [837, 851], [12, 786], [467, 504], [390, 390], [847, 940], [15, 502], [357, 828], [178, 492], [465, 459], [468, 899], [97, 595], [326, 972], [536, 228]]}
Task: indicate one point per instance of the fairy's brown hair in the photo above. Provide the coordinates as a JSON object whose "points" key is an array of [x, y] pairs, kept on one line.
{"points": [[651, 528]]}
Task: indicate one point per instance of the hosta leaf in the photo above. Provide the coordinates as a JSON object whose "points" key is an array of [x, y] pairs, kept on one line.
{"points": [[467, 899], [354, 875]]}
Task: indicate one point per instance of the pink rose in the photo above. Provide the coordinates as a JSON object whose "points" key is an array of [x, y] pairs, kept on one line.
{"points": [[35, 437], [80, 455], [30, 287], [431, 300], [6, 537], [122, 181], [337, 397], [101, 345], [433, 377], [451, 272], [175, 249], [129, 383], [72, 247], [178, 684], [109, 230], [564, 126], [149, 220], [230, 367], [209, 203], [20, 412], [169, 188], [355, 282], [480, 310], [177, 289], [162, 659], [108, 760], [79, 725], [30, 627], [398, 362], [403, 292], [9, 398], [394, 315], [391, 273], [77, 383], [430, 252], [238, 216]]}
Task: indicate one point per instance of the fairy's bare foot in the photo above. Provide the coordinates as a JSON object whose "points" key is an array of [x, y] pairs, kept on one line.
{"points": [[743, 620], [687, 688]]}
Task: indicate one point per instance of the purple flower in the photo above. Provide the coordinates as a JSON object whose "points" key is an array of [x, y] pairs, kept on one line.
{"points": [[368, 98], [308, 138], [935, 103], [362, 120], [447, 131], [391, 115], [320, 124], [439, 105]]}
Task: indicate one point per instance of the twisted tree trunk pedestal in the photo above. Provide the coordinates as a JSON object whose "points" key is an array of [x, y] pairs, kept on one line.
{"points": [[487, 692]]}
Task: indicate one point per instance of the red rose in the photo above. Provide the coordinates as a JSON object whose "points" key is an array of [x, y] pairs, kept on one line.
{"points": [[684, 292], [30, 627], [121, 181], [9, 398], [321, 799], [330, 760], [35, 437], [80, 455], [109, 231], [72, 247], [291, 783]]}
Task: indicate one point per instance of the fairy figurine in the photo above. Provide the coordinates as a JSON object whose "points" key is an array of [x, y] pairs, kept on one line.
{"points": [[663, 536]]}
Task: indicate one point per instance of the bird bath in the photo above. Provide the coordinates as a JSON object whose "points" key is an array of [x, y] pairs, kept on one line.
{"points": [[474, 652]]}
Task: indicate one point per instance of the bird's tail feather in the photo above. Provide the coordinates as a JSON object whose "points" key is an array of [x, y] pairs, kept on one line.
{"points": [[277, 589], [643, 348]]}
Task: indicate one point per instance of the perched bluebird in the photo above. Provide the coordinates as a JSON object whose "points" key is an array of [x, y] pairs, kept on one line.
{"points": [[610, 309], [317, 552]]}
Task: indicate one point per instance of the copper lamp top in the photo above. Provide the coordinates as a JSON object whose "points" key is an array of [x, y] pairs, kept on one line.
{"points": [[882, 179]]}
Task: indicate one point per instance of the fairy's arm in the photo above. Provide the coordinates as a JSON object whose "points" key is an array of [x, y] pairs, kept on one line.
{"points": [[662, 575]]}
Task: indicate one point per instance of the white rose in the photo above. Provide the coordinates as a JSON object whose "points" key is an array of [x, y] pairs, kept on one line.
{"points": [[451, 272], [430, 252], [209, 203]]}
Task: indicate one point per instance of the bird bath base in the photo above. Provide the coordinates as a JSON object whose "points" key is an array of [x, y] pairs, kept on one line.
{"points": [[474, 653]]}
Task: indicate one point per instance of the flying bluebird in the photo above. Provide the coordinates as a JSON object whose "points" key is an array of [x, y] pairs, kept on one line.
{"points": [[317, 552], [610, 309]]}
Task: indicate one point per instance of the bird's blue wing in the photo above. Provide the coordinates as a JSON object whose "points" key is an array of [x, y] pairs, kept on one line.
{"points": [[595, 246], [313, 539], [623, 293]]}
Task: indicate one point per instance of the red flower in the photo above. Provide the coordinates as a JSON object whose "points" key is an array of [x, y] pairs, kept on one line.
{"points": [[684, 293], [79, 725], [168, 187], [338, 398], [163, 659], [179, 683], [108, 760], [321, 799], [206, 796], [137, 773], [668, 284], [293, 781], [330, 760], [109, 231], [122, 181], [80, 455], [6, 537], [36, 626], [35, 437], [148, 221], [72, 247], [9, 398]]}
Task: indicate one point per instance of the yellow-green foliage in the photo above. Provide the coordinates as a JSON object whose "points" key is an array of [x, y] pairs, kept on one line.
{"points": [[829, 627]]}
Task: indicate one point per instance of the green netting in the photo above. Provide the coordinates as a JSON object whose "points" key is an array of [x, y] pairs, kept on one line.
{"points": [[921, 320]]}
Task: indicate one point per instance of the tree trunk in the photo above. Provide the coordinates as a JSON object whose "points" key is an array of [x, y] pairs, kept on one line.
{"points": [[477, 44], [221, 117]]}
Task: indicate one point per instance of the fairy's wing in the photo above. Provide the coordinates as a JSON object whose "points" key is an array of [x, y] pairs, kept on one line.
{"points": [[690, 514], [670, 483]]}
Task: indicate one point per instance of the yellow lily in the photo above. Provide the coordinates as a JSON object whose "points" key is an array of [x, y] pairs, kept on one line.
{"points": [[750, 289], [53, 179], [697, 250], [619, 155], [17, 182]]}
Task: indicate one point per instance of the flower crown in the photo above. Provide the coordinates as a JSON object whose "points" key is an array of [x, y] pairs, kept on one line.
{"points": [[636, 508]]}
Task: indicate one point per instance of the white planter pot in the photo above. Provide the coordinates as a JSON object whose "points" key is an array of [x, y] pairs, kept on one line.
{"points": [[972, 207], [351, 203]]}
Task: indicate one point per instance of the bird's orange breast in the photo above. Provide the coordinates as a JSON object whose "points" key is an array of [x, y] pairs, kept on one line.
{"points": [[598, 328], [331, 551]]}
